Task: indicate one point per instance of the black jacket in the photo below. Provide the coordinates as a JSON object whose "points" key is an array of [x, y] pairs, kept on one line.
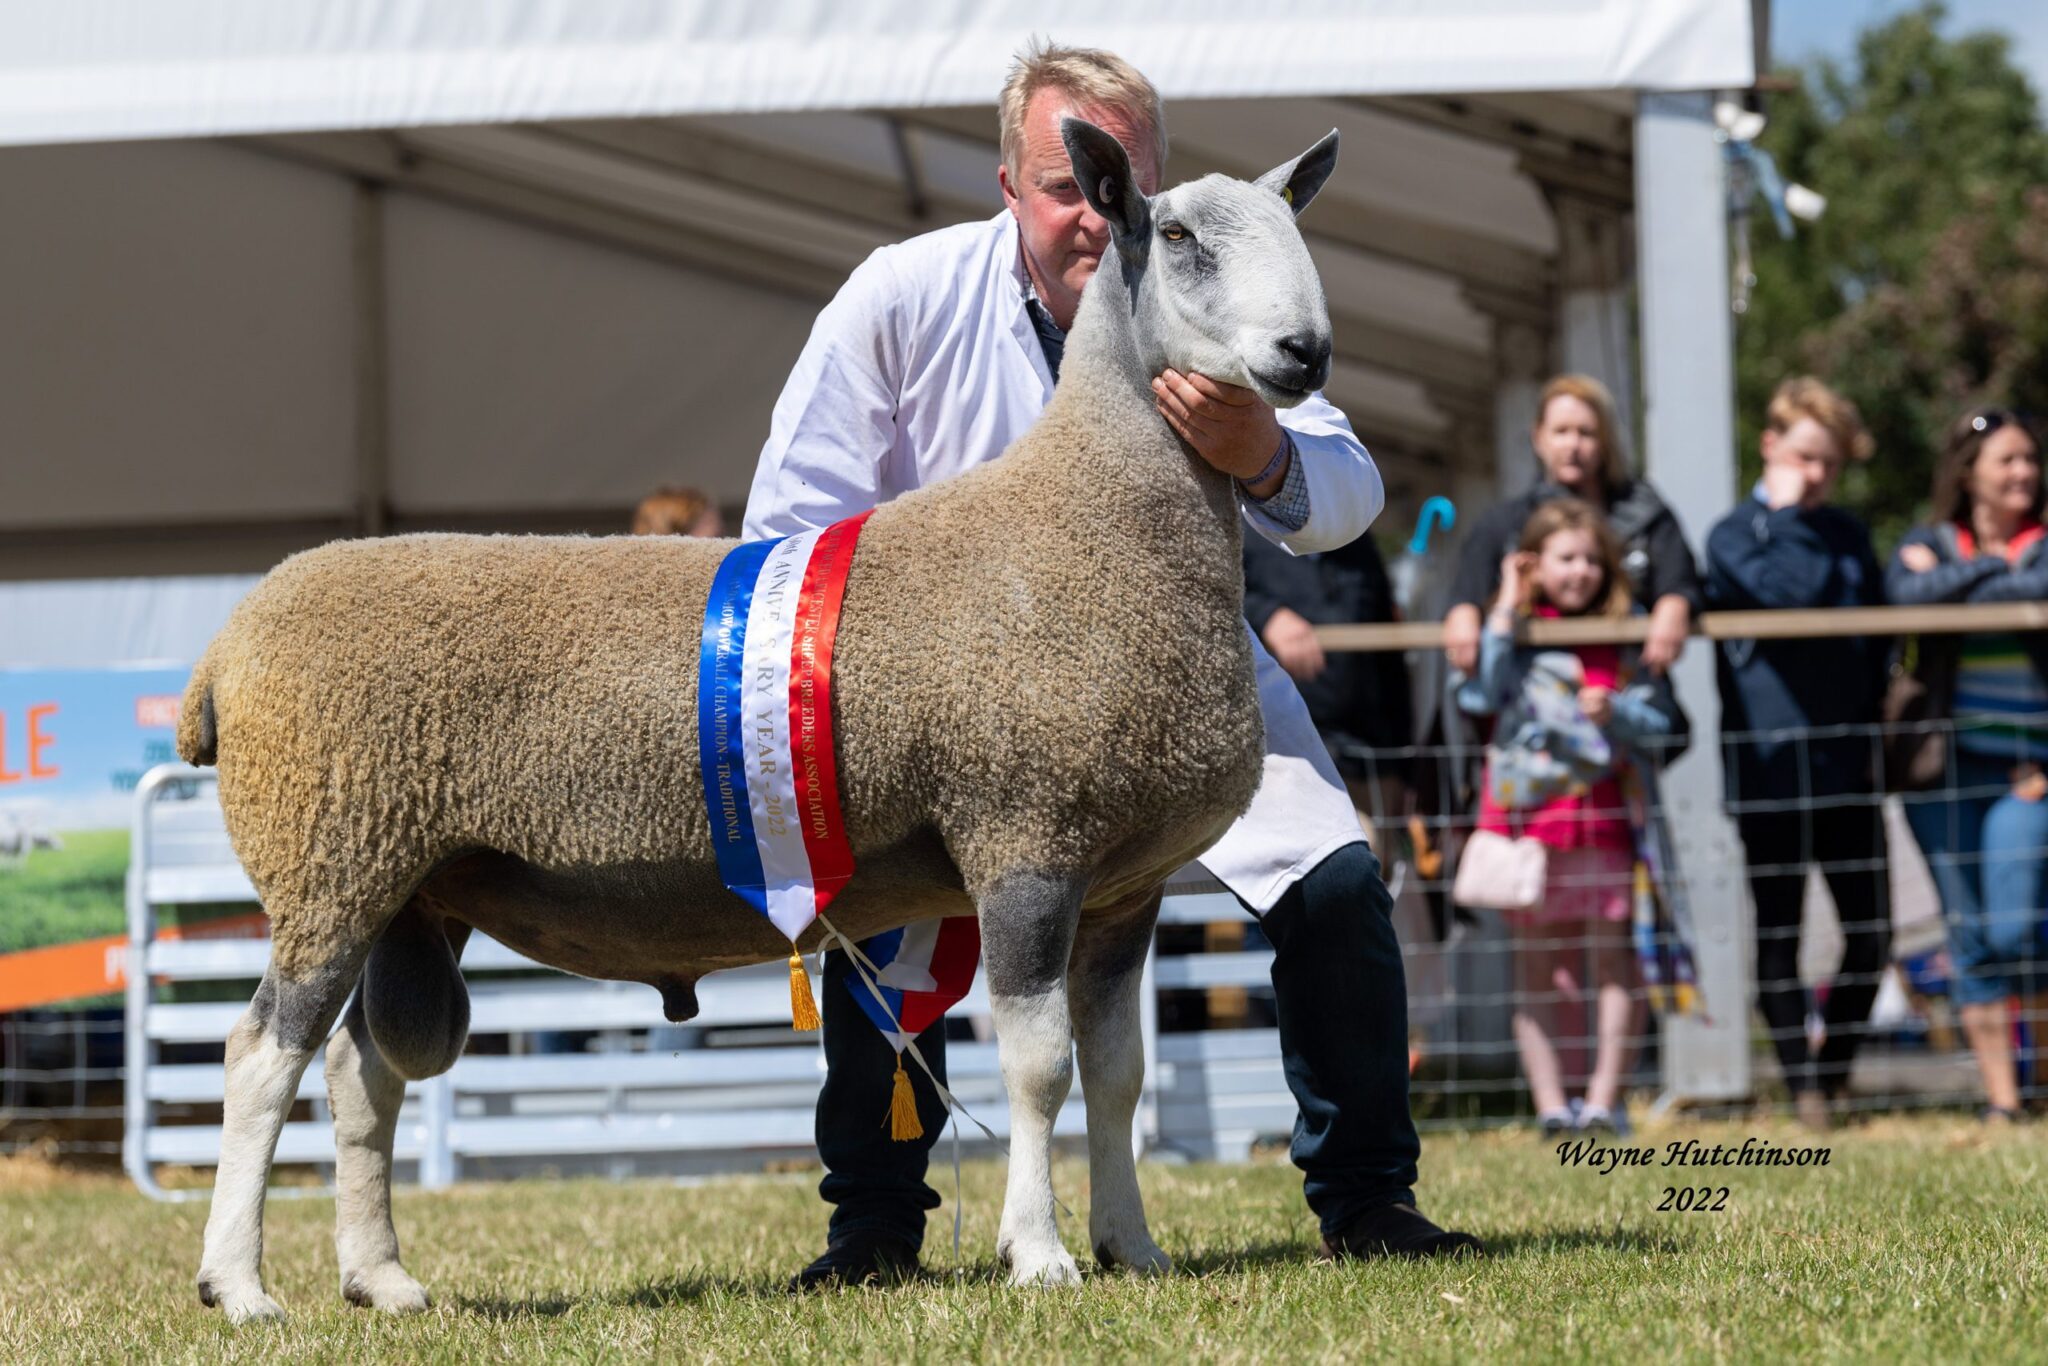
{"points": [[1654, 553], [1984, 578], [1761, 558], [1360, 698]]}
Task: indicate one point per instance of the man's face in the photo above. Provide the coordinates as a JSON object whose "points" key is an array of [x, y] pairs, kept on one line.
{"points": [[1063, 238]]}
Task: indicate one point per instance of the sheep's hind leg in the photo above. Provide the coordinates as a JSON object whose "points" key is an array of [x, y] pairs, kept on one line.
{"points": [[1105, 978], [365, 1093], [1027, 930], [267, 1053]]}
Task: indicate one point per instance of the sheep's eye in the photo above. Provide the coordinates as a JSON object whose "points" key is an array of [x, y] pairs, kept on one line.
{"points": [[1173, 232]]}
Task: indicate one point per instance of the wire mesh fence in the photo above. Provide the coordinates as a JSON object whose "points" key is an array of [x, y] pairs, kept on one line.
{"points": [[60, 1083], [1891, 937], [1892, 940]]}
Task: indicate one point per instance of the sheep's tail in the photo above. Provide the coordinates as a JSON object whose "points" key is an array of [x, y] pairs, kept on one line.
{"points": [[198, 737]]}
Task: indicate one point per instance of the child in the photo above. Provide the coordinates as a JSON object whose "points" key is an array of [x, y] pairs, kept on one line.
{"points": [[1570, 722], [1797, 717]]}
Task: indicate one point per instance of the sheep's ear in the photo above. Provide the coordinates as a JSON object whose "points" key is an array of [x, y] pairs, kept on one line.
{"points": [[1103, 172], [1298, 180]]}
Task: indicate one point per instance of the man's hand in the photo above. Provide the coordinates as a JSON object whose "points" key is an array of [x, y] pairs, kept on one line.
{"points": [[1293, 642], [1231, 428]]}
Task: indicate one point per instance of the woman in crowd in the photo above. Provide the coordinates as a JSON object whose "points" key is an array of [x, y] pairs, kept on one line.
{"points": [[1796, 717], [1571, 723], [1579, 447], [1986, 830]]}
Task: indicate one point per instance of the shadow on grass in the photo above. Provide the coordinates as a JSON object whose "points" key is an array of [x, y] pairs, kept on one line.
{"points": [[656, 1294], [1211, 1260], [671, 1291], [1580, 1240]]}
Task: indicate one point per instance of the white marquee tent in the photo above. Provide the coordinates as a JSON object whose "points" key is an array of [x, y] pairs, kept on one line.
{"points": [[276, 271], [279, 270]]}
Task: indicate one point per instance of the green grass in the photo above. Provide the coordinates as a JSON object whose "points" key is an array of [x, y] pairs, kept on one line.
{"points": [[1922, 1241], [54, 896]]}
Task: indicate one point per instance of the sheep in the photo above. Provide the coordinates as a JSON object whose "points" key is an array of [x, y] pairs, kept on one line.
{"points": [[1043, 689]]}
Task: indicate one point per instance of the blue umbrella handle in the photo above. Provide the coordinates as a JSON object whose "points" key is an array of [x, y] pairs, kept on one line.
{"points": [[1436, 512]]}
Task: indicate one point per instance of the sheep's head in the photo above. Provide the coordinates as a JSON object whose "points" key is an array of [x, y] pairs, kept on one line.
{"points": [[1221, 282]]}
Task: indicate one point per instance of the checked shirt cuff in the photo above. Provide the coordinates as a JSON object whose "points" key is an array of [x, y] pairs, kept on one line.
{"points": [[1288, 507]]}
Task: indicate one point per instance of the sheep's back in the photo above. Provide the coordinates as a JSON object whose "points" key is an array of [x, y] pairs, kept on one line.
{"points": [[531, 694]]}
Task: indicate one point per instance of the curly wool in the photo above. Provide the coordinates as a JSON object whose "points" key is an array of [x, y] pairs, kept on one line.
{"points": [[1041, 664]]}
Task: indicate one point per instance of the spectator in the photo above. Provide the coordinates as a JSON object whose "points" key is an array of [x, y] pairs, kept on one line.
{"points": [[1359, 701], [670, 511], [1578, 445], [1571, 723], [1802, 800], [1985, 832]]}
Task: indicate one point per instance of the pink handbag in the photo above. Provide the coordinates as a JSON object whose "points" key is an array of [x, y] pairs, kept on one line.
{"points": [[1500, 874]]}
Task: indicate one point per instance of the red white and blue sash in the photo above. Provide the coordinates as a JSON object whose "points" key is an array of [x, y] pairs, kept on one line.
{"points": [[764, 730], [925, 970], [771, 782]]}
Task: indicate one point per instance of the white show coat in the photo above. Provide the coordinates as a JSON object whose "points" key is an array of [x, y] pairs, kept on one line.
{"points": [[925, 365]]}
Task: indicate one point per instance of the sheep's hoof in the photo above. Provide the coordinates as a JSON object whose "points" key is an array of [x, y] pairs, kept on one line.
{"points": [[1052, 1266], [240, 1298], [1140, 1256], [387, 1287]]}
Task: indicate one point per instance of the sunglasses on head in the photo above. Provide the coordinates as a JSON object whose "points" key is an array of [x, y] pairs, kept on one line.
{"points": [[1992, 419]]}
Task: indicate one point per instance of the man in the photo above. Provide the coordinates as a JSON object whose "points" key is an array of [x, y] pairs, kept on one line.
{"points": [[936, 354]]}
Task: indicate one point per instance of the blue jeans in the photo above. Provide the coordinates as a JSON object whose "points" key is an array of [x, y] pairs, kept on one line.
{"points": [[1987, 849], [1341, 997]]}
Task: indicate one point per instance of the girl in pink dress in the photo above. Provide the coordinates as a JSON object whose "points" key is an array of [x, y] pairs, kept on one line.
{"points": [[1569, 724]]}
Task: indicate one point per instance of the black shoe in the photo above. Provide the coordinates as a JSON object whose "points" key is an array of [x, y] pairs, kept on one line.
{"points": [[1399, 1231], [859, 1259]]}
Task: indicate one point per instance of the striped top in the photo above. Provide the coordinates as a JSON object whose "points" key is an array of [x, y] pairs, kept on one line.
{"points": [[2001, 705]]}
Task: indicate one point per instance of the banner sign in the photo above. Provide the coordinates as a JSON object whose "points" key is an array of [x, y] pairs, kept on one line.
{"points": [[73, 745]]}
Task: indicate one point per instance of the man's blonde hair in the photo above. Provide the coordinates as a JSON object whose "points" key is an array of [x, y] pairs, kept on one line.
{"points": [[1805, 396], [1089, 78]]}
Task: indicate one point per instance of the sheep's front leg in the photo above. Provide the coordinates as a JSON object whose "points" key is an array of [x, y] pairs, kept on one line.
{"points": [[1027, 931], [267, 1053], [1104, 983], [365, 1093]]}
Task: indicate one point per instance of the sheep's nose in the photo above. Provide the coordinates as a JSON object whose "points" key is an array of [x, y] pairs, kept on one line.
{"points": [[1313, 354]]}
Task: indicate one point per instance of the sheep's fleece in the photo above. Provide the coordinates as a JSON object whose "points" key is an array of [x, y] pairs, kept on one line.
{"points": [[1028, 674]]}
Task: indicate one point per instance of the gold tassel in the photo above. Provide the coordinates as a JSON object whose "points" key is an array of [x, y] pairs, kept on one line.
{"points": [[903, 1122], [803, 1009]]}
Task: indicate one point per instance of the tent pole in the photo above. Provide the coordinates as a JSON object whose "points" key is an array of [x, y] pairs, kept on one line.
{"points": [[1689, 440]]}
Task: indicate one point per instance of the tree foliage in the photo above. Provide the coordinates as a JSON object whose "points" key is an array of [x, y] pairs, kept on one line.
{"points": [[1920, 292]]}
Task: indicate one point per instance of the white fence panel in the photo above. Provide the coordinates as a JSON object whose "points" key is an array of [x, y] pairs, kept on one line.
{"points": [[697, 1107]]}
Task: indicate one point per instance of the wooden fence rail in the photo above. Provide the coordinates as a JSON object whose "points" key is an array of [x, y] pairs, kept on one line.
{"points": [[1789, 624]]}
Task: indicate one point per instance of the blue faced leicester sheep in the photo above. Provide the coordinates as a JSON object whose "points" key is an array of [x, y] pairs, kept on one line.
{"points": [[1043, 691]]}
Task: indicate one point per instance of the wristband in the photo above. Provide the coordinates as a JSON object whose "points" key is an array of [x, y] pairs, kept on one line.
{"points": [[1274, 465]]}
